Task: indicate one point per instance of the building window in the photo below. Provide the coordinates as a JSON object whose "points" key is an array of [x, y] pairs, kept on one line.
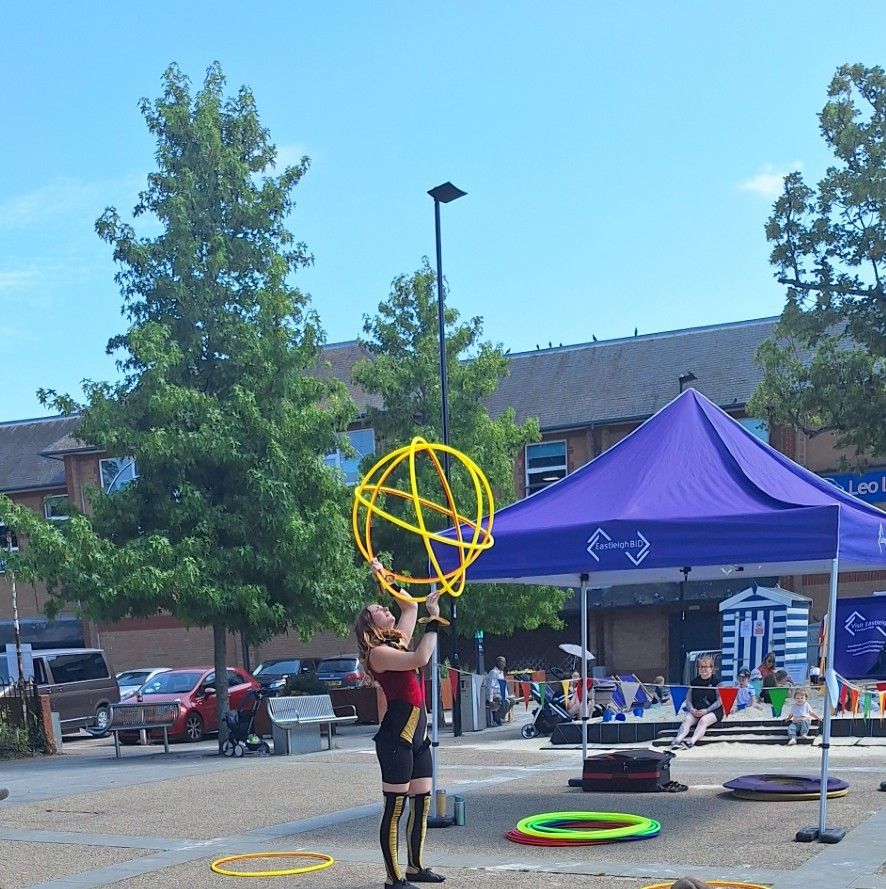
{"points": [[56, 507], [363, 443], [7, 545], [116, 473], [756, 427], [545, 463]]}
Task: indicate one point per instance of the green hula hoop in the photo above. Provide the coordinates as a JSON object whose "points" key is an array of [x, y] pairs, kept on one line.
{"points": [[537, 826]]}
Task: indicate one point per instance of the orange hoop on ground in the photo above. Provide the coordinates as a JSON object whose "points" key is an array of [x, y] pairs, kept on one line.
{"points": [[469, 546], [324, 862]]}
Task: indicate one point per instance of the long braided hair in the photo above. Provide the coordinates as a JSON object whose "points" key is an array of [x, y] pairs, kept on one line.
{"points": [[370, 636]]}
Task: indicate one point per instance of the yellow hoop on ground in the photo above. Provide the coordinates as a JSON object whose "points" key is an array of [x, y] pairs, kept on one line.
{"points": [[323, 862], [724, 884], [366, 508]]}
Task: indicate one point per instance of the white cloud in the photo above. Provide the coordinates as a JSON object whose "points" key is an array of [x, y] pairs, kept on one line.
{"points": [[769, 182], [290, 155], [63, 197], [18, 280]]}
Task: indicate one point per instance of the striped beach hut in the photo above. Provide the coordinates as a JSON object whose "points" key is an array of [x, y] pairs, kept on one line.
{"points": [[761, 619]]}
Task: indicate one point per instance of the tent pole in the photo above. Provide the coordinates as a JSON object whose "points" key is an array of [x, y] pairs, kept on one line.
{"points": [[435, 820], [828, 703], [584, 669]]}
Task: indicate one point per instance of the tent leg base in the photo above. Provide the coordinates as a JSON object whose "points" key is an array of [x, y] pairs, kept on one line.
{"points": [[434, 821], [883, 786], [828, 835], [576, 782]]}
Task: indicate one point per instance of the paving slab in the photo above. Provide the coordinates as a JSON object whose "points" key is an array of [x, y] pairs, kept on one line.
{"points": [[23, 863]]}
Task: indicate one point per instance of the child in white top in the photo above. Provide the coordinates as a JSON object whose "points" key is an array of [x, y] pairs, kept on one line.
{"points": [[800, 716], [746, 697]]}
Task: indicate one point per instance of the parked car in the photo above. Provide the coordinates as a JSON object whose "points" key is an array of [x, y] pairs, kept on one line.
{"points": [[342, 671], [79, 685], [194, 689], [272, 674], [130, 681]]}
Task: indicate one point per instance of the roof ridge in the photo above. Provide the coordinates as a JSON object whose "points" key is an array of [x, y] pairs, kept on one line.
{"points": [[650, 336], [39, 419]]}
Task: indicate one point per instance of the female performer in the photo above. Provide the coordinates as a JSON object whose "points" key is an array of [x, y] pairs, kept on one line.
{"points": [[401, 745]]}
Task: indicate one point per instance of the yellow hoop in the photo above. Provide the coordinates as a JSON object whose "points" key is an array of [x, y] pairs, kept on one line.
{"points": [[724, 884], [324, 862], [374, 484]]}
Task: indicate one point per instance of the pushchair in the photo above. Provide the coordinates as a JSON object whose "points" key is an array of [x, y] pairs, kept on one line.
{"points": [[242, 738], [549, 713]]}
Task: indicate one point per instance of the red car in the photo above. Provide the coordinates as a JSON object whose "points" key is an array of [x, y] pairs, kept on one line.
{"points": [[194, 689]]}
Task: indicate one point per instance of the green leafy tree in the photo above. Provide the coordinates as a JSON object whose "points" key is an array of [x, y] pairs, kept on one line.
{"points": [[404, 369], [825, 370], [234, 521]]}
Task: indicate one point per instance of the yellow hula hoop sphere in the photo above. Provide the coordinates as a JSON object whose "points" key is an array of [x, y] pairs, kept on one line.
{"points": [[471, 538]]}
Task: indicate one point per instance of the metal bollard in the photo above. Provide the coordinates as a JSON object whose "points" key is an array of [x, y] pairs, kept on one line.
{"points": [[440, 803], [458, 805]]}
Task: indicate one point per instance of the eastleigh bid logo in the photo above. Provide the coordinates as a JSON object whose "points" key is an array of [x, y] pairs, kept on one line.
{"points": [[635, 548]]}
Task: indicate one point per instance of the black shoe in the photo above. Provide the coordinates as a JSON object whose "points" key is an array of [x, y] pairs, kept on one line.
{"points": [[400, 884], [425, 875], [3, 793]]}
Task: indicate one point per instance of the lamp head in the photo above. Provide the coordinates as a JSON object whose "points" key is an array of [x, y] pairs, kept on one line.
{"points": [[446, 193]]}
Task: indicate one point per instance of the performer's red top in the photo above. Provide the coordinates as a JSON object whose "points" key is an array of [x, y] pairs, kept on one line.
{"points": [[402, 685]]}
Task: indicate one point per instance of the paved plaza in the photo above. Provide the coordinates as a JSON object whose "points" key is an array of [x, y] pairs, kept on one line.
{"points": [[85, 819]]}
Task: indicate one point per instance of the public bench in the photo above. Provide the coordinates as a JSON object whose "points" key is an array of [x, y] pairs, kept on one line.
{"points": [[136, 716], [296, 722]]}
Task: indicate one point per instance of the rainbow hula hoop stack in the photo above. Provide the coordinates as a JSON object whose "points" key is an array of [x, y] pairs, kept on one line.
{"points": [[582, 829], [722, 884]]}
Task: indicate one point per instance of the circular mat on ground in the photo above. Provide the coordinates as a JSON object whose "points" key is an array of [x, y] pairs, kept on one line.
{"points": [[804, 786], [721, 884]]}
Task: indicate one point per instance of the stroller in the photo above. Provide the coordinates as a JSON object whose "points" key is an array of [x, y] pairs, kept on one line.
{"points": [[550, 712], [242, 738]]}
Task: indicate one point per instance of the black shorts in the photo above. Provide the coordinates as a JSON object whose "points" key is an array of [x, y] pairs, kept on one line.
{"points": [[402, 745]]}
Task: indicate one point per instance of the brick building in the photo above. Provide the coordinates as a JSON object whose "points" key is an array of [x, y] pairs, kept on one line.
{"points": [[587, 397]]}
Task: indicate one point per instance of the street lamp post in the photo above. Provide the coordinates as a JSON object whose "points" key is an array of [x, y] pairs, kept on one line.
{"points": [[444, 194]]}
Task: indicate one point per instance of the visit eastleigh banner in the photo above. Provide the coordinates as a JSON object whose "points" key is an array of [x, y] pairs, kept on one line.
{"points": [[860, 640]]}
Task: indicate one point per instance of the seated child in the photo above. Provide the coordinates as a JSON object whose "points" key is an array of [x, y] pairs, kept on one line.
{"points": [[799, 718], [779, 679], [746, 697], [660, 692]]}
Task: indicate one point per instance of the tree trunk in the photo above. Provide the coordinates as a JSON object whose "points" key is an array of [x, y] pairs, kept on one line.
{"points": [[220, 658]]}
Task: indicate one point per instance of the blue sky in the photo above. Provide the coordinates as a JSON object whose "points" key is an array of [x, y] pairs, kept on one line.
{"points": [[620, 160]]}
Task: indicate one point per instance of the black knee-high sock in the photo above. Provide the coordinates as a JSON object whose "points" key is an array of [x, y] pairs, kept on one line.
{"points": [[389, 833], [416, 827]]}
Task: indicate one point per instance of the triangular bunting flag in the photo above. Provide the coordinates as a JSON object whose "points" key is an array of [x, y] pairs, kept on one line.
{"points": [[882, 704], [777, 696], [678, 696], [844, 694], [541, 692], [728, 696], [629, 690], [453, 683], [853, 701], [565, 688], [503, 689], [526, 692], [867, 706]]}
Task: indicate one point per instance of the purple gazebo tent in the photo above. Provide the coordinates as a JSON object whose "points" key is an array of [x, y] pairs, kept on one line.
{"points": [[691, 488]]}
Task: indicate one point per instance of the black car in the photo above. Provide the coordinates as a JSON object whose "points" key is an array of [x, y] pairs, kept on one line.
{"points": [[272, 674], [342, 671]]}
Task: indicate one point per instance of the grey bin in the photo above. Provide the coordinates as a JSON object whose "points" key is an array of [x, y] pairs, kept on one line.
{"points": [[473, 709]]}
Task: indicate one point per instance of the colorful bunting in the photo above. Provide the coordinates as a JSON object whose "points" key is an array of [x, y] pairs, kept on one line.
{"points": [[678, 697], [853, 701], [629, 690], [882, 704], [844, 695], [453, 682], [727, 697], [526, 692], [541, 691], [565, 688], [867, 706], [777, 697]]}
